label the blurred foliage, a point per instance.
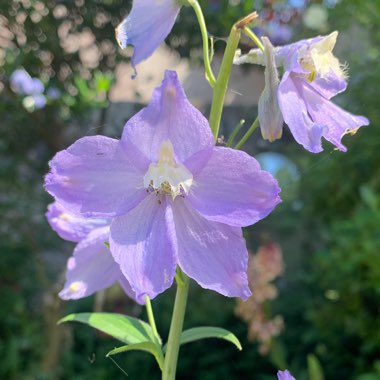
(330, 235)
(339, 304)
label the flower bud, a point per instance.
(270, 116)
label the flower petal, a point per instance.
(337, 121)
(126, 286)
(146, 27)
(169, 116)
(213, 254)
(330, 85)
(91, 268)
(94, 177)
(284, 375)
(305, 131)
(232, 189)
(69, 226)
(143, 244)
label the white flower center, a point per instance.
(166, 176)
(319, 59)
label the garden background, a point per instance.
(328, 225)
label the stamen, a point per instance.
(166, 176)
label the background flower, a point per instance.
(146, 27)
(22, 83)
(263, 268)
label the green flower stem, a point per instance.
(152, 322)
(235, 132)
(248, 134)
(171, 357)
(254, 38)
(221, 84)
(206, 52)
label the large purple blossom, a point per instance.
(146, 26)
(285, 375)
(91, 267)
(174, 197)
(312, 76)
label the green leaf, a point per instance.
(198, 333)
(314, 368)
(103, 81)
(126, 329)
(150, 347)
(83, 88)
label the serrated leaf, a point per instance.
(149, 347)
(198, 333)
(126, 329)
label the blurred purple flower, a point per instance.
(174, 197)
(279, 33)
(22, 83)
(146, 27)
(53, 93)
(39, 101)
(284, 375)
(313, 75)
(91, 267)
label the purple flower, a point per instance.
(279, 33)
(174, 197)
(53, 93)
(91, 267)
(22, 83)
(146, 27)
(284, 375)
(313, 75)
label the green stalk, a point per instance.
(248, 134)
(206, 52)
(152, 322)
(254, 38)
(221, 84)
(235, 132)
(171, 357)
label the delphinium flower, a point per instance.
(22, 83)
(91, 267)
(312, 76)
(146, 26)
(285, 375)
(264, 267)
(173, 196)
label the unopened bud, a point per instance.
(270, 116)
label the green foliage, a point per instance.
(198, 333)
(349, 278)
(126, 329)
(314, 368)
(149, 347)
(337, 288)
